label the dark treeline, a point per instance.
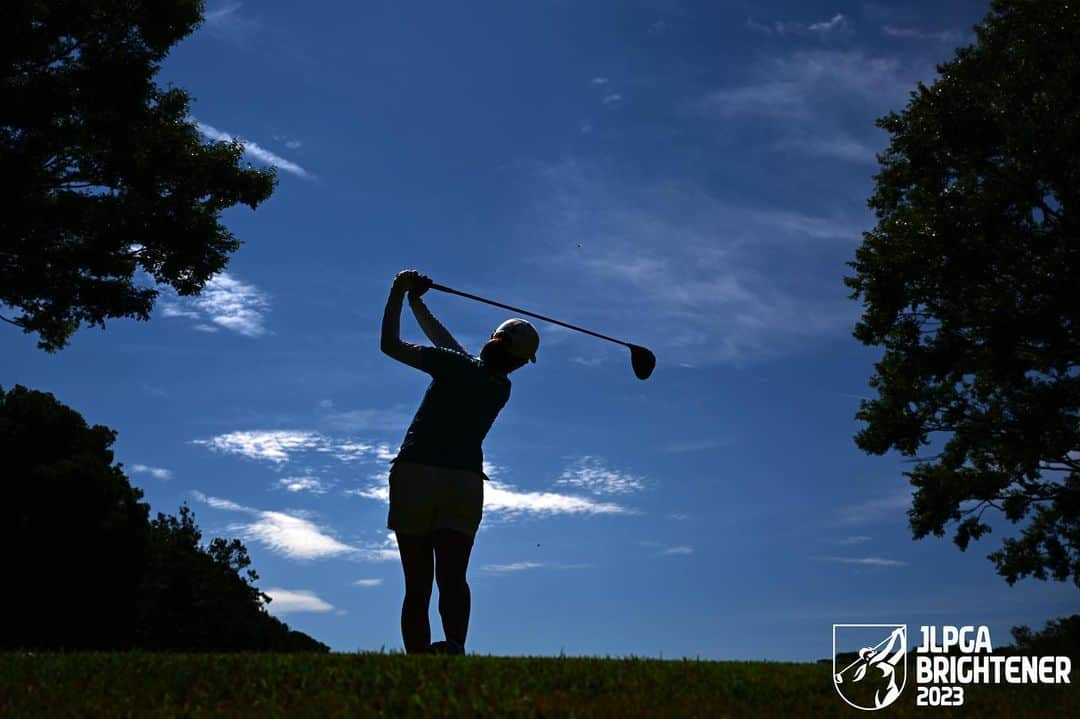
(85, 566)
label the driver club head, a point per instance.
(642, 360)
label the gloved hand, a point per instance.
(412, 282)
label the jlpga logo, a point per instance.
(947, 660)
(876, 676)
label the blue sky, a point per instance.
(690, 177)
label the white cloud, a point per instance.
(384, 551)
(917, 34)
(303, 484)
(367, 582)
(589, 473)
(891, 507)
(523, 566)
(218, 503)
(155, 472)
(275, 446)
(503, 502)
(612, 98)
(867, 561)
(681, 549)
(806, 83)
(225, 301)
(291, 536)
(512, 567)
(394, 419)
(289, 601)
(686, 273)
(507, 503)
(857, 539)
(837, 22)
(252, 149)
(599, 81)
(280, 446)
(678, 516)
(221, 14)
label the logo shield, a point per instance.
(869, 664)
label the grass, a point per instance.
(144, 684)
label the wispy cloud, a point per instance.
(666, 550)
(599, 81)
(289, 535)
(836, 23)
(155, 472)
(221, 14)
(253, 149)
(525, 566)
(857, 539)
(867, 561)
(799, 84)
(275, 445)
(612, 98)
(917, 34)
(838, 146)
(384, 551)
(891, 507)
(226, 302)
(291, 601)
(367, 419)
(590, 474)
(367, 582)
(680, 283)
(281, 446)
(503, 502)
(506, 503)
(311, 485)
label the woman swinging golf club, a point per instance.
(437, 478)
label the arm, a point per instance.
(439, 335)
(391, 343)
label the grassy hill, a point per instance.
(143, 684)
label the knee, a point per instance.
(418, 597)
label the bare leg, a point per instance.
(417, 563)
(452, 549)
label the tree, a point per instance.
(85, 569)
(102, 172)
(1060, 637)
(73, 529)
(969, 281)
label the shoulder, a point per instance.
(446, 358)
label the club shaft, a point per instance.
(443, 288)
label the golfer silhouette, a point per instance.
(437, 478)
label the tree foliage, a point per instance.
(969, 281)
(86, 569)
(102, 172)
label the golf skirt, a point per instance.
(424, 498)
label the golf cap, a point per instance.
(524, 340)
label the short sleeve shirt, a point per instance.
(457, 411)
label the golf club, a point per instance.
(641, 358)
